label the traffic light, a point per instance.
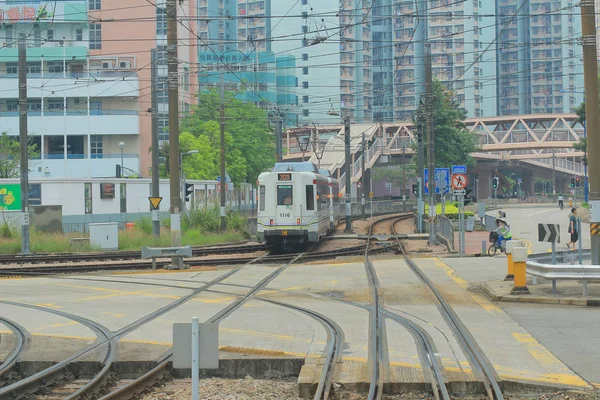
(495, 182)
(577, 181)
(189, 189)
(415, 189)
(572, 181)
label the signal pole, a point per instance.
(590, 71)
(173, 82)
(24, 154)
(223, 179)
(363, 188)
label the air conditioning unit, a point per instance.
(124, 64)
(106, 65)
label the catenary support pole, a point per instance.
(155, 149)
(420, 174)
(278, 134)
(348, 163)
(363, 187)
(430, 142)
(173, 84)
(23, 141)
(223, 181)
(590, 71)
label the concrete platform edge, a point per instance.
(495, 296)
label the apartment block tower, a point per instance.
(539, 67)
(89, 84)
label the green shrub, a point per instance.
(144, 225)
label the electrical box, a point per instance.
(105, 235)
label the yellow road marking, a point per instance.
(11, 277)
(55, 325)
(116, 315)
(48, 305)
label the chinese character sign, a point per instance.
(26, 13)
(10, 197)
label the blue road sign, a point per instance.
(459, 169)
(442, 180)
(218, 179)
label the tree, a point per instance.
(10, 156)
(453, 143)
(248, 137)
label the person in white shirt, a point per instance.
(560, 201)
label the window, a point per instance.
(12, 105)
(34, 105)
(305, 99)
(79, 34)
(304, 56)
(304, 70)
(55, 67)
(87, 195)
(285, 195)
(163, 127)
(304, 2)
(34, 68)
(310, 197)
(55, 104)
(12, 68)
(186, 79)
(305, 42)
(94, 5)
(50, 33)
(304, 14)
(261, 198)
(95, 36)
(162, 90)
(123, 197)
(305, 113)
(35, 194)
(305, 85)
(161, 21)
(96, 146)
(37, 36)
(9, 36)
(304, 29)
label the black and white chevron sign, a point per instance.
(549, 233)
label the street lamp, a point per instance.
(122, 146)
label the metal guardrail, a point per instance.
(165, 252)
(566, 268)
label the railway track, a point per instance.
(46, 258)
(476, 357)
(21, 336)
(128, 389)
(31, 270)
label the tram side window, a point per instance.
(284, 195)
(261, 198)
(310, 197)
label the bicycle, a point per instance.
(493, 247)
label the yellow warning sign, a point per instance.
(370, 195)
(595, 229)
(155, 202)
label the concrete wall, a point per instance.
(46, 218)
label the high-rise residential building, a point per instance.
(458, 36)
(235, 46)
(89, 85)
(539, 64)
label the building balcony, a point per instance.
(100, 84)
(114, 122)
(81, 165)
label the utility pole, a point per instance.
(173, 83)
(278, 134)
(223, 177)
(24, 154)
(430, 142)
(590, 71)
(586, 186)
(155, 150)
(363, 188)
(348, 162)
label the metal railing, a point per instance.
(445, 231)
(568, 266)
(559, 163)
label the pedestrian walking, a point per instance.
(573, 229)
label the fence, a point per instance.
(445, 231)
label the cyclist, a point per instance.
(561, 201)
(504, 233)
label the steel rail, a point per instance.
(467, 342)
(32, 383)
(21, 335)
(140, 265)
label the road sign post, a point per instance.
(550, 233)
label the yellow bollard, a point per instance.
(519, 257)
(510, 246)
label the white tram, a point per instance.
(295, 205)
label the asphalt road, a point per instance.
(570, 333)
